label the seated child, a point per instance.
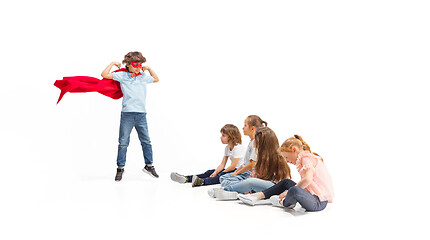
(230, 135)
(314, 191)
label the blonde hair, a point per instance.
(233, 133)
(270, 163)
(296, 141)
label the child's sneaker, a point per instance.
(248, 199)
(176, 177)
(212, 191)
(275, 201)
(197, 182)
(150, 170)
(119, 172)
(225, 195)
(278, 203)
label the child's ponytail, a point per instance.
(256, 121)
(296, 141)
(305, 145)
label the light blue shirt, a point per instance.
(133, 90)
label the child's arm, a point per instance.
(245, 168)
(151, 72)
(106, 73)
(220, 167)
(306, 180)
(233, 165)
(237, 170)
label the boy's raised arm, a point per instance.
(106, 73)
(152, 73)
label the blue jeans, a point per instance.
(210, 180)
(250, 184)
(228, 180)
(138, 121)
(296, 194)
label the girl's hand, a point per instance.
(212, 175)
(234, 174)
(282, 196)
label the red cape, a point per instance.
(107, 87)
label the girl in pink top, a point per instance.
(313, 191)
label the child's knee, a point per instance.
(225, 183)
(293, 190)
(123, 142)
(225, 177)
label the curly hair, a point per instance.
(233, 133)
(133, 57)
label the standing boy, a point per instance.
(133, 83)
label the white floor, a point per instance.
(86, 203)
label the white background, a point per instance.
(349, 76)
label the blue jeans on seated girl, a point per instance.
(228, 180)
(250, 185)
(210, 180)
(296, 194)
(138, 121)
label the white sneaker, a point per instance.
(275, 201)
(248, 199)
(212, 191)
(176, 177)
(225, 195)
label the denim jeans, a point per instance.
(250, 184)
(210, 180)
(296, 194)
(228, 180)
(138, 121)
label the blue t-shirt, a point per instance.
(133, 90)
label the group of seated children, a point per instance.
(265, 173)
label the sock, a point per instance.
(257, 195)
